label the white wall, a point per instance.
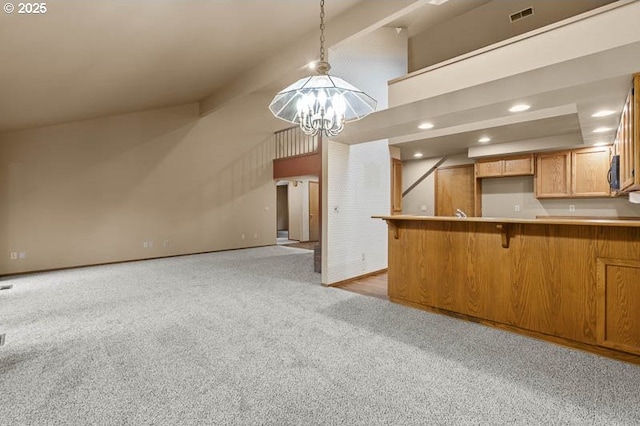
(356, 179)
(359, 180)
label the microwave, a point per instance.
(614, 173)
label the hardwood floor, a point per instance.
(373, 285)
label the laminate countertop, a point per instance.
(631, 223)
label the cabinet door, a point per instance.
(553, 174)
(628, 140)
(518, 166)
(589, 172)
(624, 142)
(618, 303)
(489, 168)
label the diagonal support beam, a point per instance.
(424, 176)
(360, 19)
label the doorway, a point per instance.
(282, 211)
(297, 211)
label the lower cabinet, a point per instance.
(618, 305)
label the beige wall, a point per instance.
(95, 191)
(500, 196)
(486, 25)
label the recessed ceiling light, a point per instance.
(425, 126)
(602, 129)
(418, 155)
(484, 139)
(519, 108)
(602, 113)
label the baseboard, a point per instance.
(359, 277)
(115, 262)
(598, 350)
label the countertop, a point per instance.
(546, 221)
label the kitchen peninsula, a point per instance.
(574, 282)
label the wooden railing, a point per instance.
(292, 142)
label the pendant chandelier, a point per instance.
(321, 102)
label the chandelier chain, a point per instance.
(322, 55)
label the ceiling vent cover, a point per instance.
(520, 15)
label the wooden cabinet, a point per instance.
(589, 169)
(627, 142)
(618, 304)
(396, 186)
(521, 165)
(573, 174)
(577, 280)
(553, 174)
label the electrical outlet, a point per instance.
(255, 236)
(242, 236)
(13, 255)
(423, 208)
(145, 244)
(151, 244)
(516, 208)
(22, 255)
(572, 208)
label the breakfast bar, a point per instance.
(571, 281)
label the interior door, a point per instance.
(314, 222)
(454, 190)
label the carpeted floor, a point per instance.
(250, 337)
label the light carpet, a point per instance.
(251, 337)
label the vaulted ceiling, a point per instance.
(86, 59)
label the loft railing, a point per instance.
(292, 142)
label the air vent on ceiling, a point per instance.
(520, 15)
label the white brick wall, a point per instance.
(356, 181)
(358, 186)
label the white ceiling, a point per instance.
(85, 59)
(563, 96)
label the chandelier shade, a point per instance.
(321, 102)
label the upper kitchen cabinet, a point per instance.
(627, 142)
(589, 170)
(575, 173)
(553, 175)
(520, 165)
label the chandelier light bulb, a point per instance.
(322, 102)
